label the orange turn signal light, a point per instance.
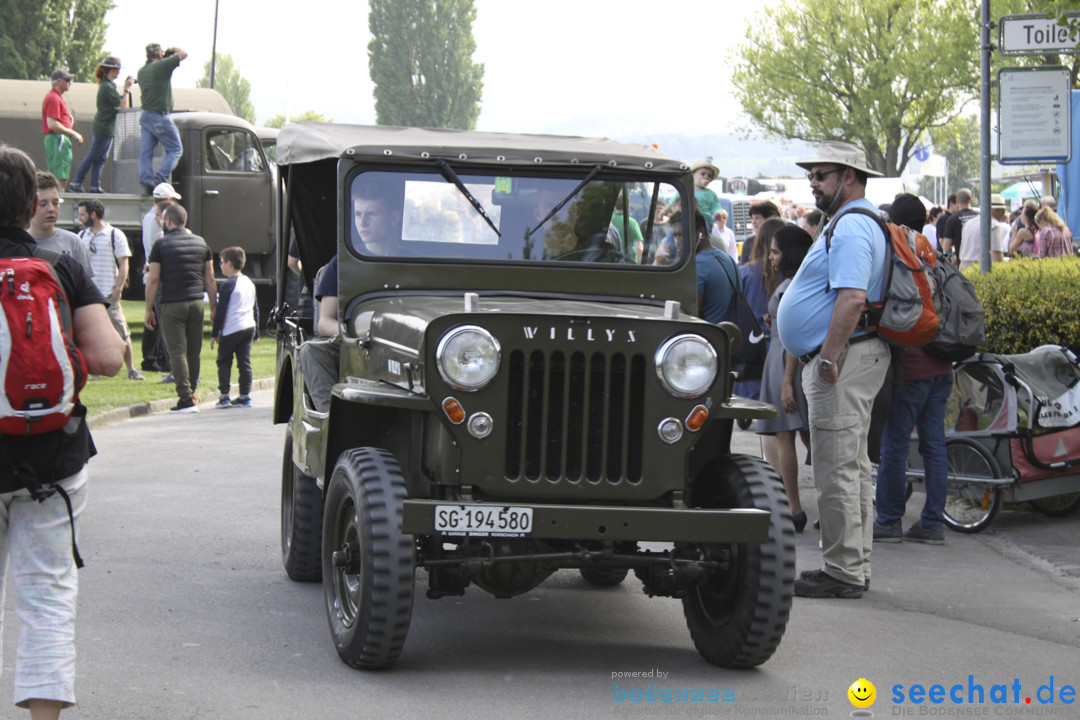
(696, 419)
(454, 412)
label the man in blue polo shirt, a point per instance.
(844, 366)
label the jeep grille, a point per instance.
(576, 419)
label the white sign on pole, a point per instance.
(1035, 34)
(1034, 110)
(934, 166)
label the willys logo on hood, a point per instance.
(586, 334)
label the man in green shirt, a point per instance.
(155, 82)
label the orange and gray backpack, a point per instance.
(41, 370)
(909, 313)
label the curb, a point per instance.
(156, 407)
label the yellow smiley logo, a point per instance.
(862, 693)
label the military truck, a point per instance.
(512, 394)
(224, 176)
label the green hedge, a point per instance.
(1030, 302)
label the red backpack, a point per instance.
(41, 370)
(909, 313)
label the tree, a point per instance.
(420, 60)
(278, 121)
(877, 72)
(958, 141)
(38, 36)
(233, 86)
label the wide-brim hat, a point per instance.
(110, 62)
(997, 202)
(835, 152)
(704, 163)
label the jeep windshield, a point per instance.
(582, 219)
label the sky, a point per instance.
(625, 70)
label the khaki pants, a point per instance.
(839, 421)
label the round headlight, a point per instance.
(686, 365)
(468, 357)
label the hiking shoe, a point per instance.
(185, 406)
(167, 380)
(224, 403)
(819, 584)
(810, 573)
(888, 532)
(929, 535)
(134, 374)
(243, 401)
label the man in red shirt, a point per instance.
(56, 123)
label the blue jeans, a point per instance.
(94, 161)
(158, 128)
(921, 405)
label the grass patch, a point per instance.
(115, 392)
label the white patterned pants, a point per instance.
(35, 540)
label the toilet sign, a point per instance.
(1035, 34)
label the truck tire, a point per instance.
(301, 519)
(737, 613)
(368, 562)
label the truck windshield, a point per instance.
(429, 215)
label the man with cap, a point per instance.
(921, 395)
(971, 235)
(155, 359)
(57, 123)
(704, 173)
(155, 83)
(844, 365)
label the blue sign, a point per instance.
(922, 153)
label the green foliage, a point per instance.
(420, 59)
(233, 86)
(38, 36)
(877, 72)
(278, 121)
(115, 392)
(1030, 302)
(958, 141)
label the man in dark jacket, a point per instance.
(37, 537)
(182, 267)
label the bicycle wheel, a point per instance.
(1058, 505)
(970, 503)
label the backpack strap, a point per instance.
(884, 229)
(734, 285)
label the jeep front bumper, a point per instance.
(595, 522)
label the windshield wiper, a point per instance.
(449, 174)
(573, 193)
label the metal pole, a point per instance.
(213, 51)
(985, 216)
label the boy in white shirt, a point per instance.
(236, 326)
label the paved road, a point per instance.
(185, 612)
